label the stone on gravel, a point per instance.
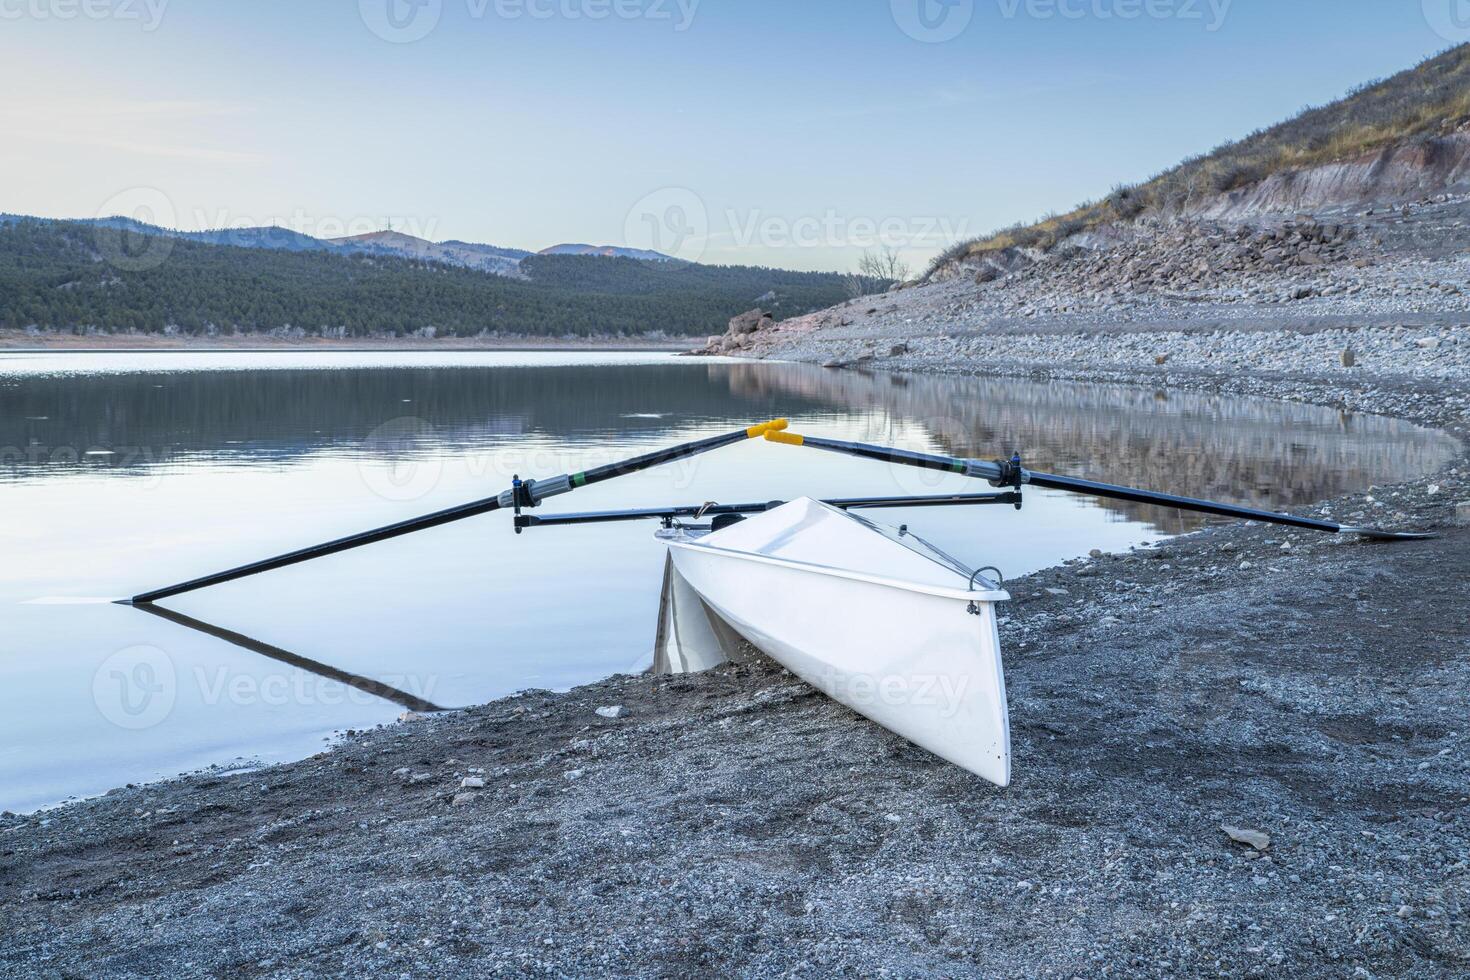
(472, 782)
(614, 711)
(1258, 839)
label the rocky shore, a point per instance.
(1383, 289)
(1246, 752)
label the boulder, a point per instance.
(750, 321)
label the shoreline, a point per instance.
(648, 844)
(18, 342)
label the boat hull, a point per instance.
(924, 664)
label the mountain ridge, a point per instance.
(494, 259)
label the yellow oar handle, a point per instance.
(765, 428)
(785, 438)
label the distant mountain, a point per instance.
(467, 255)
(58, 275)
(608, 252)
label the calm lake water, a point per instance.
(121, 472)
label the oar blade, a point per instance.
(1372, 534)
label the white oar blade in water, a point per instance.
(874, 618)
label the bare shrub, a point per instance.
(876, 272)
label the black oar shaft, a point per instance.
(1093, 489)
(944, 464)
(531, 493)
(715, 510)
(323, 550)
(1002, 473)
(658, 458)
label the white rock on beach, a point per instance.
(1258, 839)
(615, 711)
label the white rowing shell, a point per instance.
(876, 619)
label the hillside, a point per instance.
(1415, 107)
(67, 276)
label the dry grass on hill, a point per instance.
(1432, 99)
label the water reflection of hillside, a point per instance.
(1238, 449)
(51, 422)
(1242, 450)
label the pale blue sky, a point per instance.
(754, 131)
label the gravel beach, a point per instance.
(1305, 692)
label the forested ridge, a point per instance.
(82, 277)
